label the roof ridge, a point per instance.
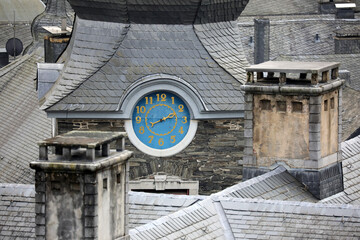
(250, 182)
(297, 207)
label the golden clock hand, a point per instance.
(171, 115)
(153, 123)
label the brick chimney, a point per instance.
(292, 118)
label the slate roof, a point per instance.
(199, 221)
(25, 10)
(228, 215)
(278, 184)
(22, 122)
(120, 55)
(17, 211)
(147, 207)
(159, 11)
(280, 7)
(260, 219)
(351, 170)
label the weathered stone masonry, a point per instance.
(79, 198)
(214, 157)
(295, 121)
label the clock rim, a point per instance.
(161, 152)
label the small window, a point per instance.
(56, 186)
(118, 178)
(325, 105)
(281, 106)
(265, 104)
(297, 107)
(75, 187)
(105, 183)
(332, 103)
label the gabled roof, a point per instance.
(264, 219)
(226, 215)
(199, 221)
(22, 122)
(107, 59)
(147, 207)
(278, 184)
(17, 211)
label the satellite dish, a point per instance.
(14, 47)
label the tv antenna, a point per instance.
(14, 46)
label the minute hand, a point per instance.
(171, 115)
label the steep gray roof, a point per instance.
(17, 211)
(264, 219)
(147, 207)
(22, 122)
(280, 7)
(199, 221)
(351, 170)
(93, 44)
(219, 217)
(278, 184)
(121, 55)
(223, 42)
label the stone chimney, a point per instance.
(81, 190)
(262, 40)
(292, 118)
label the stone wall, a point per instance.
(279, 122)
(81, 204)
(214, 157)
(329, 123)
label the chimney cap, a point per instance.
(293, 67)
(57, 30)
(345, 5)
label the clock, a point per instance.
(161, 124)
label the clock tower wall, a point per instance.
(214, 157)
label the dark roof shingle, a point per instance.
(22, 122)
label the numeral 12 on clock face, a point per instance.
(161, 120)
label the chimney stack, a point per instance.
(293, 118)
(81, 190)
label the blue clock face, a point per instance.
(161, 120)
